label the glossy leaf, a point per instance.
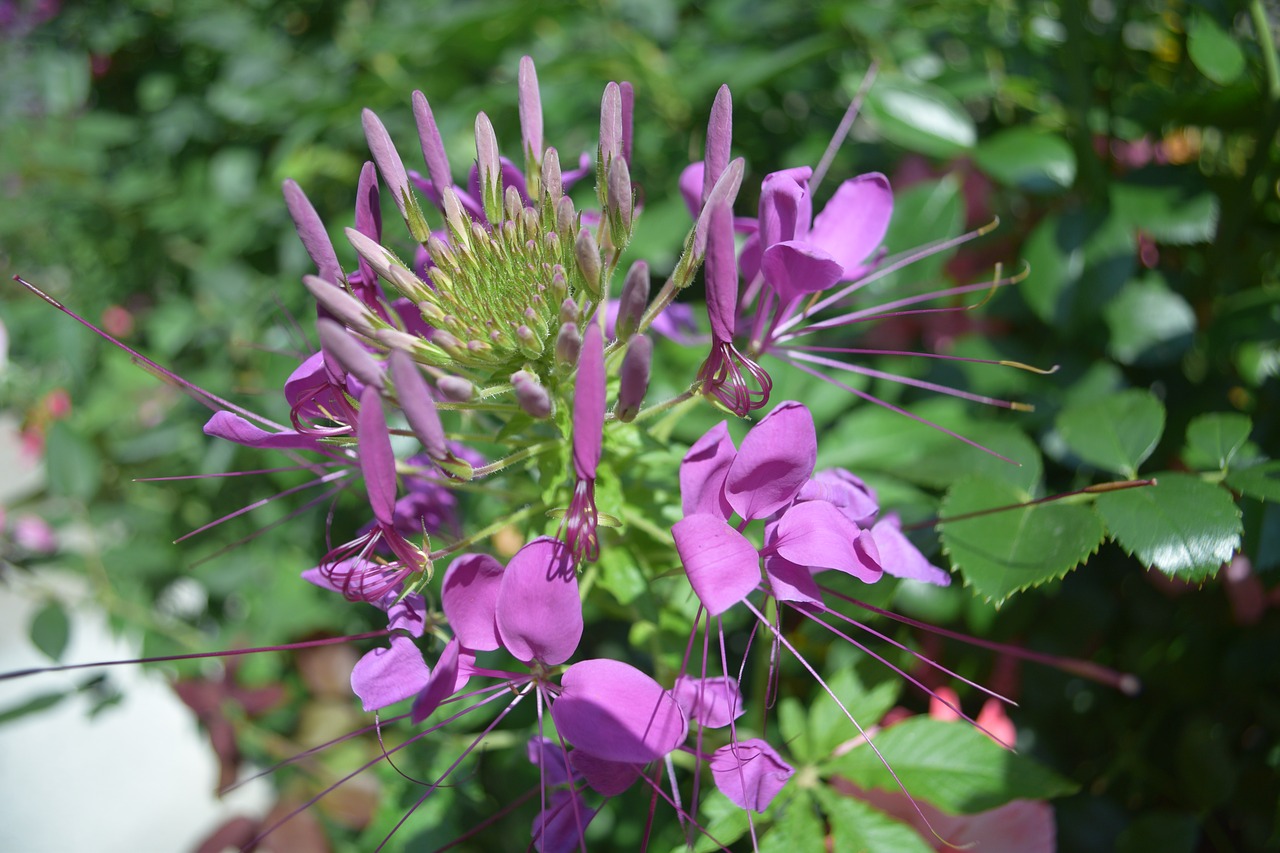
(1182, 526)
(1149, 323)
(920, 117)
(1116, 433)
(1028, 159)
(952, 766)
(1079, 262)
(1013, 550)
(1217, 437)
(1257, 481)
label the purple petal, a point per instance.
(589, 403)
(611, 123)
(815, 534)
(539, 612)
(386, 676)
(311, 230)
(237, 429)
(388, 160)
(712, 702)
(560, 827)
(449, 676)
(791, 582)
(608, 778)
(545, 753)
(703, 471)
(719, 139)
(469, 594)
(416, 403)
(628, 93)
(530, 104)
(432, 145)
(794, 269)
(749, 773)
(355, 359)
(309, 389)
(721, 274)
(614, 711)
(368, 223)
(405, 614)
(854, 222)
(900, 558)
(723, 567)
(785, 206)
(377, 461)
(775, 462)
(691, 187)
(846, 492)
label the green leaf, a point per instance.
(50, 630)
(73, 464)
(1149, 323)
(1028, 159)
(1007, 552)
(855, 825)
(1079, 262)
(793, 724)
(797, 828)
(1213, 50)
(725, 823)
(950, 765)
(35, 705)
(829, 727)
(1170, 212)
(1116, 433)
(1216, 437)
(1257, 481)
(1182, 526)
(1168, 832)
(920, 117)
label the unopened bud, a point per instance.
(634, 299)
(568, 311)
(552, 180)
(490, 168)
(342, 306)
(568, 345)
(619, 206)
(566, 218)
(634, 382)
(353, 358)
(455, 389)
(587, 254)
(534, 399)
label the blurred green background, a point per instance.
(1128, 148)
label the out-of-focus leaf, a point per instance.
(951, 765)
(1213, 50)
(1257, 481)
(1028, 159)
(1010, 551)
(1116, 433)
(855, 825)
(797, 828)
(73, 464)
(920, 117)
(725, 824)
(1149, 323)
(829, 727)
(1166, 832)
(1216, 437)
(1170, 213)
(50, 630)
(1079, 261)
(1182, 526)
(35, 705)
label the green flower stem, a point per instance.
(518, 456)
(486, 532)
(665, 405)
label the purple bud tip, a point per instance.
(344, 349)
(636, 365)
(342, 306)
(568, 345)
(315, 239)
(455, 389)
(388, 160)
(416, 403)
(530, 109)
(589, 404)
(719, 137)
(619, 194)
(587, 254)
(611, 123)
(532, 397)
(432, 144)
(552, 179)
(377, 461)
(568, 311)
(634, 299)
(487, 154)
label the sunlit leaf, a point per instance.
(855, 825)
(1116, 433)
(1213, 50)
(920, 117)
(1028, 159)
(1216, 437)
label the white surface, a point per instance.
(138, 777)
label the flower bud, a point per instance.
(568, 345)
(620, 204)
(455, 389)
(394, 176)
(568, 311)
(344, 349)
(635, 298)
(490, 168)
(566, 218)
(432, 145)
(634, 383)
(588, 256)
(311, 230)
(552, 180)
(340, 305)
(534, 399)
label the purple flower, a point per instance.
(750, 773)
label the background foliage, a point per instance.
(1128, 148)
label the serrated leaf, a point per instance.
(50, 630)
(793, 724)
(950, 765)
(1183, 526)
(1257, 481)
(797, 828)
(855, 825)
(1028, 159)
(1218, 436)
(920, 117)
(1010, 551)
(1116, 433)
(724, 822)
(1213, 50)
(828, 725)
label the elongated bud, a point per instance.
(455, 389)
(490, 168)
(534, 399)
(432, 144)
(568, 345)
(552, 179)
(568, 311)
(456, 219)
(719, 139)
(724, 192)
(315, 239)
(610, 124)
(342, 306)
(385, 265)
(619, 206)
(530, 103)
(377, 460)
(368, 223)
(391, 167)
(420, 410)
(588, 256)
(634, 382)
(628, 110)
(566, 218)
(634, 299)
(353, 358)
